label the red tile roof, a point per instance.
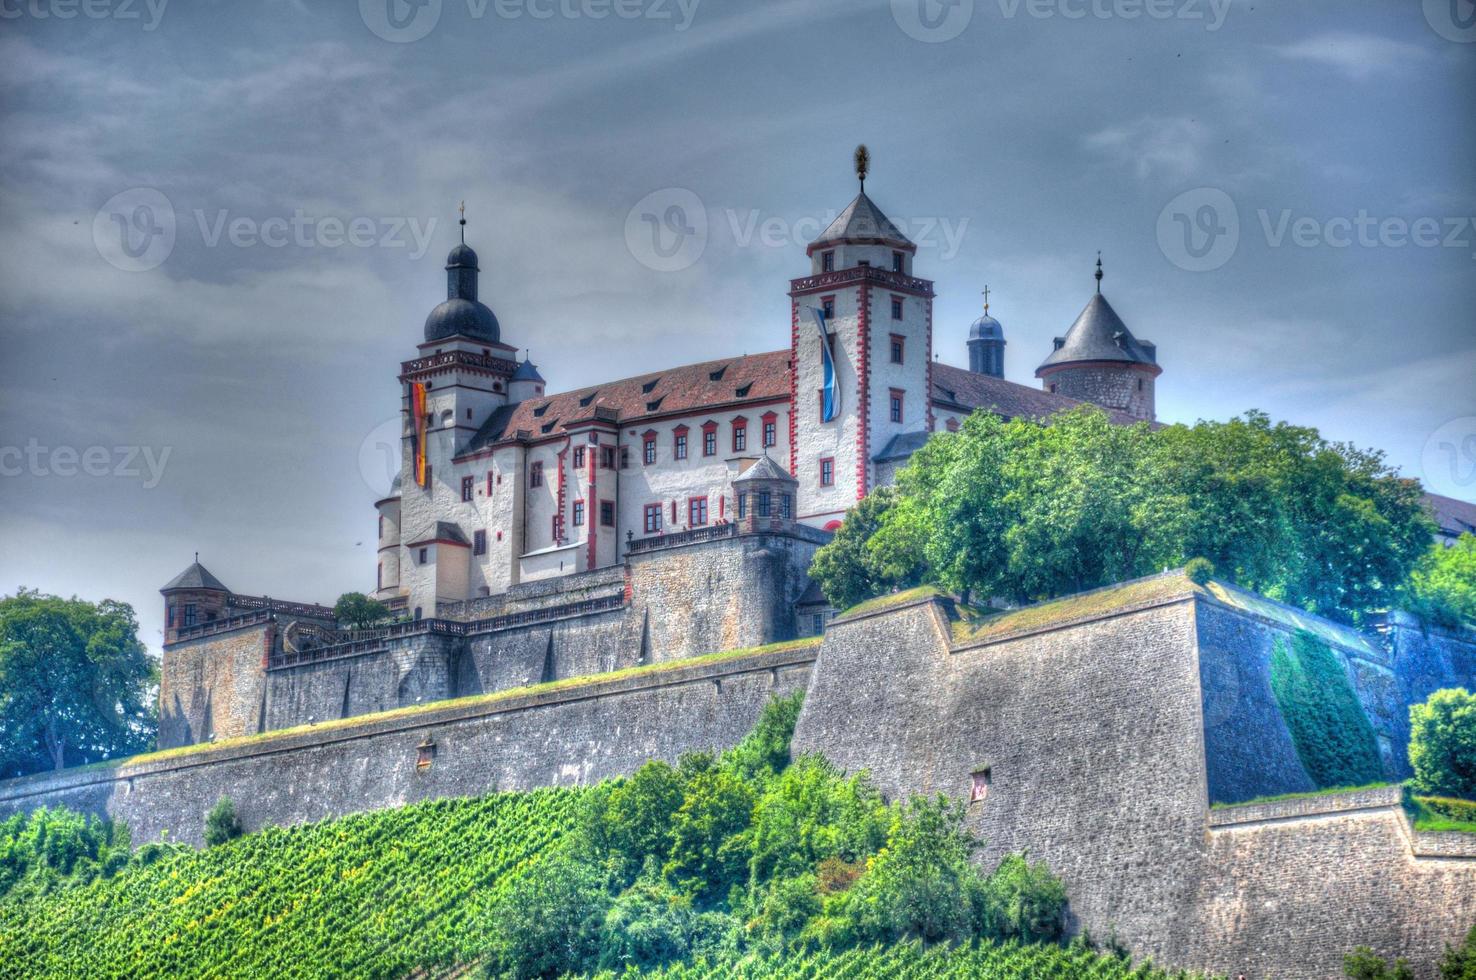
(1455, 517)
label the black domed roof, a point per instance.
(986, 328)
(462, 256)
(462, 316)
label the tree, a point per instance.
(550, 921)
(221, 823)
(1459, 962)
(75, 682)
(1364, 964)
(1442, 588)
(847, 570)
(357, 611)
(1027, 510)
(1442, 744)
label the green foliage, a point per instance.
(549, 922)
(766, 749)
(221, 823)
(44, 849)
(1023, 901)
(74, 683)
(1448, 808)
(1199, 570)
(1459, 962)
(849, 571)
(1332, 735)
(355, 610)
(1364, 964)
(650, 924)
(1025, 510)
(1442, 587)
(1442, 744)
(708, 853)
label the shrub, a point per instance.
(1442, 744)
(1023, 901)
(551, 921)
(1364, 964)
(630, 822)
(708, 856)
(1199, 570)
(355, 610)
(1442, 587)
(766, 749)
(1331, 733)
(221, 823)
(650, 924)
(1459, 962)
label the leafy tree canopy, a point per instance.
(75, 683)
(1442, 744)
(1442, 588)
(357, 611)
(1027, 510)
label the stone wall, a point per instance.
(559, 735)
(1103, 724)
(214, 686)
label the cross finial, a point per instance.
(1099, 271)
(197, 558)
(863, 165)
(986, 300)
(462, 209)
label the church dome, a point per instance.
(462, 256)
(462, 316)
(986, 328)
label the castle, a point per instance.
(561, 564)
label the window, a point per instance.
(607, 513)
(468, 415)
(979, 785)
(556, 528)
(607, 457)
(579, 457)
(1140, 384)
(952, 425)
(679, 444)
(818, 624)
(763, 504)
(625, 457)
(479, 542)
(578, 513)
(648, 449)
(771, 430)
(418, 614)
(827, 262)
(379, 577)
(786, 506)
(381, 525)
(423, 557)
(466, 488)
(190, 614)
(896, 405)
(490, 480)
(742, 506)
(827, 472)
(740, 435)
(827, 306)
(896, 261)
(535, 475)
(653, 518)
(709, 439)
(898, 347)
(896, 307)
(697, 512)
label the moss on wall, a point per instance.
(1328, 726)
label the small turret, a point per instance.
(987, 344)
(192, 598)
(525, 383)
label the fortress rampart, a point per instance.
(1118, 735)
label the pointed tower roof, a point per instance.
(527, 371)
(862, 223)
(764, 468)
(1098, 335)
(197, 576)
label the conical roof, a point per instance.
(1098, 335)
(197, 576)
(862, 222)
(764, 468)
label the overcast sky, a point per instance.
(1282, 193)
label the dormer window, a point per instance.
(897, 261)
(827, 262)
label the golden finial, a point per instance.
(462, 209)
(863, 164)
(986, 300)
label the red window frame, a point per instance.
(579, 457)
(579, 513)
(652, 515)
(535, 475)
(648, 448)
(709, 439)
(771, 429)
(740, 434)
(896, 404)
(899, 348)
(696, 511)
(466, 488)
(827, 261)
(827, 471)
(896, 307)
(679, 442)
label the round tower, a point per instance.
(192, 598)
(987, 344)
(1100, 361)
(525, 383)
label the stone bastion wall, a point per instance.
(1094, 733)
(564, 733)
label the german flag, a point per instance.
(418, 418)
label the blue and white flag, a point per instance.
(829, 393)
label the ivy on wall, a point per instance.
(1332, 735)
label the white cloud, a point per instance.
(1169, 147)
(1355, 55)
